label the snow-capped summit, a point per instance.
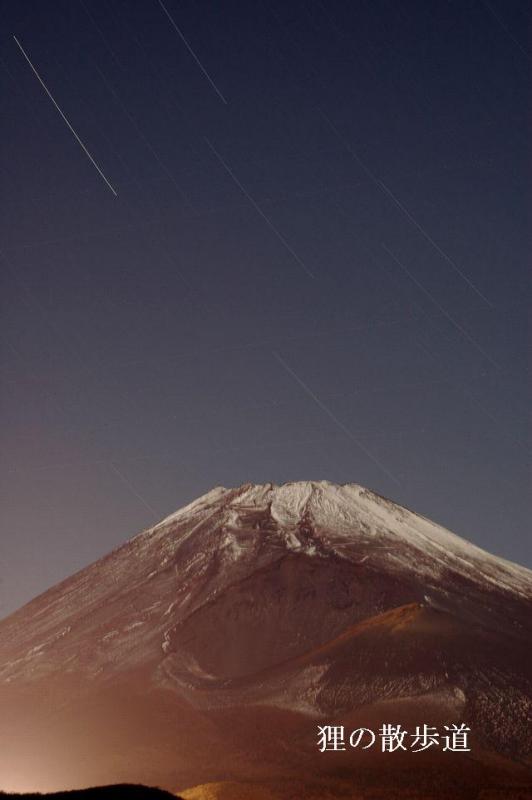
(341, 517)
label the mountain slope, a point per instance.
(259, 609)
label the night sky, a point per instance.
(299, 252)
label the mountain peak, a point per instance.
(255, 492)
(318, 517)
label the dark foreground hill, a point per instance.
(208, 649)
(124, 791)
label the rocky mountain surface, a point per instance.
(211, 646)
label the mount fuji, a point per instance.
(210, 647)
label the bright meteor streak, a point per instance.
(44, 86)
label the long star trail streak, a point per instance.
(382, 186)
(132, 489)
(65, 119)
(156, 72)
(102, 37)
(505, 29)
(145, 140)
(192, 53)
(412, 303)
(137, 183)
(334, 418)
(441, 308)
(473, 399)
(433, 243)
(259, 210)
